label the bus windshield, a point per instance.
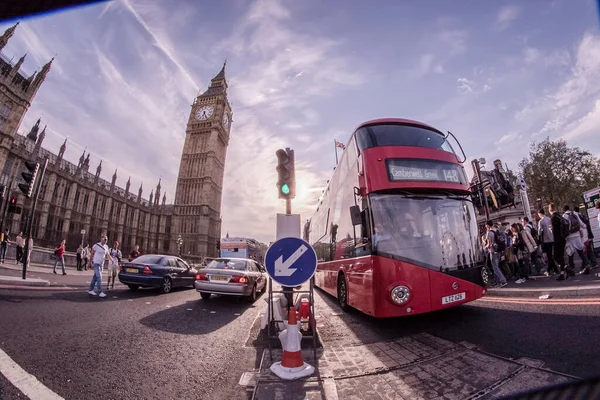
(401, 135)
(437, 232)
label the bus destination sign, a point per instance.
(425, 170)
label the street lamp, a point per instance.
(179, 243)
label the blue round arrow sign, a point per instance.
(291, 261)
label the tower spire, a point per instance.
(33, 133)
(7, 35)
(63, 147)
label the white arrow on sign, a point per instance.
(283, 268)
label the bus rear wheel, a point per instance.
(342, 293)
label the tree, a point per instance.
(556, 173)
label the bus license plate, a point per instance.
(454, 298)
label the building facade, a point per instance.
(79, 206)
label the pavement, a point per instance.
(546, 287)
(41, 275)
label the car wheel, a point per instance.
(253, 295)
(205, 296)
(166, 285)
(342, 293)
(133, 288)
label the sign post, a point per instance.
(291, 261)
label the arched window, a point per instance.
(5, 110)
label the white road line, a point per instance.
(189, 309)
(213, 312)
(25, 382)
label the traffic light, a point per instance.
(29, 177)
(12, 205)
(286, 183)
(218, 244)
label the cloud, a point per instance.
(506, 16)
(289, 72)
(465, 85)
(531, 55)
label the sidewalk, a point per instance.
(536, 286)
(42, 275)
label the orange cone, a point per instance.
(292, 358)
(292, 366)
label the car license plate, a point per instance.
(219, 278)
(132, 270)
(454, 298)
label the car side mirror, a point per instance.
(355, 215)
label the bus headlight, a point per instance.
(400, 294)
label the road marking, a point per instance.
(148, 302)
(190, 309)
(237, 313)
(24, 381)
(213, 312)
(515, 300)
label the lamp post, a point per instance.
(179, 243)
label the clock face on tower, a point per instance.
(204, 113)
(226, 120)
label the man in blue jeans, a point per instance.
(99, 253)
(495, 247)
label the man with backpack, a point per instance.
(495, 245)
(574, 243)
(560, 231)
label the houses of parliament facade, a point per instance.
(73, 199)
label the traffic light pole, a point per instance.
(29, 226)
(288, 206)
(6, 200)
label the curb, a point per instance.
(15, 281)
(568, 291)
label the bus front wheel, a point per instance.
(342, 293)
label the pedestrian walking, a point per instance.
(20, 242)
(496, 245)
(99, 252)
(79, 257)
(59, 254)
(547, 241)
(588, 242)
(4, 245)
(560, 231)
(113, 266)
(135, 253)
(85, 255)
(575, 240)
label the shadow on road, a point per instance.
(198, 317)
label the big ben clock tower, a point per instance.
(200, 181)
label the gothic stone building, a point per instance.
(72, 199)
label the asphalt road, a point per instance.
(146, 345)
(129, 345)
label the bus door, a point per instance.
(360, 266)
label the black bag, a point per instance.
(499, 241)
(574, 224)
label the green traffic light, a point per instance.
(285, 189)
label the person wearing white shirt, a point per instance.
(99, 253)
(575, 240)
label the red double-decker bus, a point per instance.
(395, 231)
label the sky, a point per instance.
(499, 75)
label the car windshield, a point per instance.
(148, 259)
(401, 135)
(437, 232)
(237, 265)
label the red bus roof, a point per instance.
(397, 121)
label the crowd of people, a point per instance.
(547, 247)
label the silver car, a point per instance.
(232, 277)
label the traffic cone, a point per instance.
(292, 366)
